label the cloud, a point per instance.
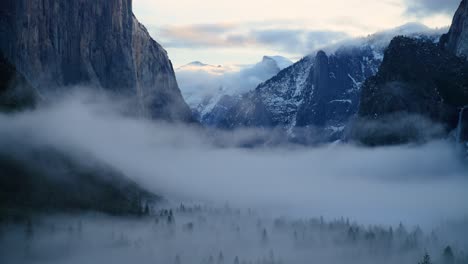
(300, 41)
(289, 40)
(195, 35)
(426, 8)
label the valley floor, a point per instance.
(196, 234)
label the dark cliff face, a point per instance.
(332, 95)
(98, 43)
(456, 40)
(15, 92)
(417, 77)
(317, 93)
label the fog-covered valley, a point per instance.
(349, 145)
(206, 235)
(331, 203)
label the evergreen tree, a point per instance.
(370, 235)
(447, 256)
(434, 238)
(170, 218)
(401, 231)
(220, 258)
(426, 259)
(352, 234)
(177, 260)
(139, 206)
(147, 210)
(264, 236)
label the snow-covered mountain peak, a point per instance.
(281, 62)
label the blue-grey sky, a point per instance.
(242, 31)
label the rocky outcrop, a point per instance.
(417, 77)
(456, 40)
(99, 43)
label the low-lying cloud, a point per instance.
(418, 185)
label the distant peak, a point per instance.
(321, 53)
(280, 61)
(197, 63)
(412, 27)
(266, 58)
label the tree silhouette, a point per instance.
(177, 260)
(220, 258)
(426, 259)
(146, 210)
(264, 236)
(170, 218)
(447, 256)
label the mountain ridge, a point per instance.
(291, 100)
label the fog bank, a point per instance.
(414, 184)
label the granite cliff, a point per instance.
(456, 40)
(98, 43)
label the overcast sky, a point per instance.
(242, 31)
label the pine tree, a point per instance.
(220, 258)
(264, 236)
(426, 259)
(401, 231)
(177, 260)
(352, 234)
(170, 218)
(447, 256)
(147, 210)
